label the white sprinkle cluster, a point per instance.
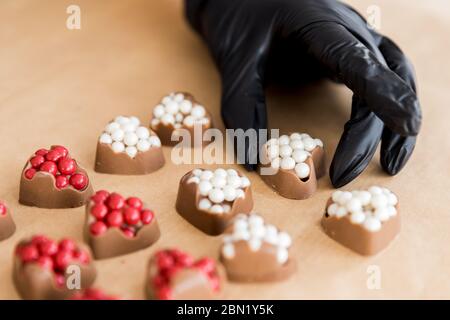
(178, 111)
(291, 152)
(125, 134)
(369, 208)
(252, 228)
(219, 188)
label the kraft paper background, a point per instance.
(60, 86)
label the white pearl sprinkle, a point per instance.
(372, 224)
(218, 182)
(154, 141)
(168, 119)
(189, 121)
(232, 172)
(198, 111)
(226, 208)
(302, 170)
(135, 121)
(143, 145)
(128, 127)
(284, 239)
(159, 111)
(379, 200)
(240, 193)
(172, 108)
(300, 155)
(287, 163)
(142, 132)
(204, 204)
(284, 139)
(295, 136)
(374, 190)
(318, 142)
(117, 135)
(341, 212)
(112, 126)
(179, 97)
(197, 172)
(195, 180)
(276, 163)
(357, 217)
(254, 244)
(309, 144)
(229, 193)
(130, 139)
(217, 208)
(332, 209)
(207, 175)
(105, 138)
(228, 251)
(220, 173)
(234, 181)
(273, 151)
(354, 205)
(245, 182)
(118, 146)
(285, 151)
(216, 195)
(204, 187)
(382, 214)
(364, 197)
(131, 151)
(282, 255)
(186, 106)
(166, 100)
(297, 144)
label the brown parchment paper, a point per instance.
(60, 86)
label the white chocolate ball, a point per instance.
(318, 142)
(131, 151)
(179, 118)
(179, 97)
(168, 119)
(232, 172)
(130, 139)
(118, 135)
(118, 146)
(332, 209)
(374, 190)
(364, 197)
(159, 111)
(300, 155)
(154, 141)
(254, 244)
(382, 214)
(218, 182)
(204, 187)
(273, 151)
(309, 144)
(275, 164)
(216, 195)
(344, 197)
(110, 127)
(129, 127)
(105, 138)
(143, 145)
(240, 224)
(228, 251)
(240, 193)
(354, 205)
(336, 195)
(204, 204)
(166, 99)
(197, 172)
(282, 255)
(198, 111)
(186, 106)
(172, 107)
(285, 151)
(379, 200)
(189, 121)
(392, 199)
(135, 121)
(217, 208)
(226, 208)
(142, 132)
(302, 170)
(234, 181)
(284, 239)
(372, 224)
(357, 217)
(287, 163)
(284, 139)
(207, 175)
(297, 144)
(220, 173)
(245, 182)
(341, 212)
(121, 120)
(295, 136)
(194, 179)
(229, 193)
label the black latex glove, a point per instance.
(254, 40)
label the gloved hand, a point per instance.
(255, 40)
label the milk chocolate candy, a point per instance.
(126, 147)
(291, 165)
(46, 269)
(210, 199)
(7, 225)
(177, 115)
(174, 275)
(115, 226)
(52, 179)
(253, 251)
(365, 221)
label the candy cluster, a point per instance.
(52, 255)
(252, 229)
(291, 152)
(178, 110)
(369, 208)
(57, 162)
(114, 211)
(3, 209)
(219, 188)
(92, 294)
(125, 134)
(169, 262)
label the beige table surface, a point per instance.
(59, 86)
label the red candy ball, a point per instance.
(163, 293)
(79, 181)
(128, 232)
(206, 265)
(62, 260)
(98, 228)
(61, 150)
(81, 256)
(45, 262)
(165, 262)
(134, 202)
(115, 201)
(67, 245)
(99, 211)
(114, 218)
(100, 196)
(147, 216)
(29, 253)
(48, 248)
(41, 152)
(49, 166)
(36, 161)
(60, 279)
(2, 209)
(67, 166)
(132, 216)
(29, 173)
(61, 181)
(53, 155)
